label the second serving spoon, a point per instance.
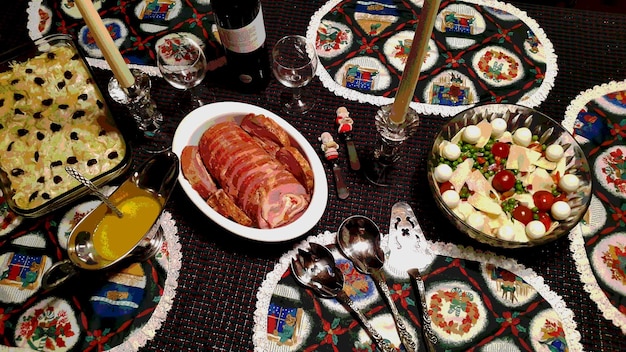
(316, 270)
(358, 238)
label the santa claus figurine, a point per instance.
(344, 121)
(329, 146)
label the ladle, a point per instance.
(316, 270)
(358, 238)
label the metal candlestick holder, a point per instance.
(392, 135)
(137, 99)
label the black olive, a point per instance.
(37, 115)
(18, 96)
(1, 102)
(63, 106)
(56, 163)
(100, 104)
(57, 179)
(18, 112)
(83, 96)
(113, 155)
(15, 81)
(78, 114)
(39, 81)
(74, 136)
(33, 196)
(47, 102)
(29, 70)
(61, 85)
(17, 172)
(67, 75)
(92, 162)
(22, 132)
(36, 156)
(40, 135)
(102, 133)
(45, 196)
(10, 146)
(41, 179)
(55, 127)
(1, 126)
(51, 56)
(72, 160)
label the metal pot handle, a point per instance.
(58, 274)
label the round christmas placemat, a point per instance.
(95, 311)
(597, 119)
(475, 299)
(480, 51)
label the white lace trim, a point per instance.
(429, 109)
(145, 333)
(577, 246)
(264, 295)
(33, 32)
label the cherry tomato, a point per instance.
(445, 186)
(522, 214)
(545, 219)
(500, 149)
(503, 181)
(543, 200)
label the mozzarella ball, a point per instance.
(451, 151)
(498, 127)
(535, 229)
(554, 152)
(522, 136)
(442, 173)
(506, 232)
(471, 134)
(451, 198)
(476, 220)
(560, 210)
(569, 183)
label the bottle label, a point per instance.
(246, 39)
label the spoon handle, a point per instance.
(385, 345)
(82, 179)
(430, 339)
(405, 335)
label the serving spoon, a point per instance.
(316, 270)
(358, 238)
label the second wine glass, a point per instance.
(183, 64)
(294, 63)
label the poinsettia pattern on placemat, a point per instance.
(480, 51)
(135, 26)
(475, 299)
(120, 309)
(597, 118)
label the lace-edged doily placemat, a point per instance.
(475, 299)
(481, 51)
(597, 118)
(118, 311)
(137, 27)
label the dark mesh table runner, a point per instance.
(220, 274)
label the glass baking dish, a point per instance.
(53, 116)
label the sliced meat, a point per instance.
(297, 164)
(266, 129)
(225, 205)
(258, 184)
(194, 171)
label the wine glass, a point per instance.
(183, 64)
(294, 62)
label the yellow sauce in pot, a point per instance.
(115, 236)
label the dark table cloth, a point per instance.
(221, 273)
